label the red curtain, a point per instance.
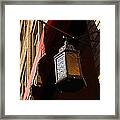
(39, 55)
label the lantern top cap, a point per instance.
(67, 46)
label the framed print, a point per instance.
(59, 59)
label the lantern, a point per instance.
(68, 70)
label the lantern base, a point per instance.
(71, 84)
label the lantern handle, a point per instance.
(66, 41)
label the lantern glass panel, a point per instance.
(73, 67)
(61, 67)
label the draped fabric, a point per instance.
(39, 55)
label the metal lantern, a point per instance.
(68, 70)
